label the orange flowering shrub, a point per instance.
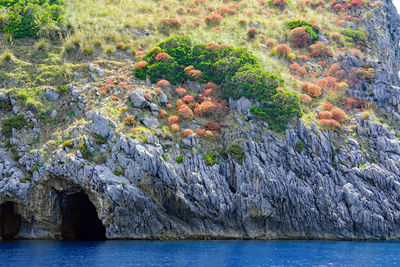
(187, 132)
(148, 96)
(212, 126)
(325, 115)
(188, 99)
(338, 114)
(201, 132)
(168, 106)
(252, 32)
(205, 108)
(270, 43)
(102, 90)
(173, 119)
(305, 98)
(162, 113)
(300, 37)
(223, 11)
(165, 25)
(327, 106)
(283, 49)
(193, 74)
(329, 83)
(162, 57)
(329, 123)
(185, 112)
(129, 120)
(320, 49)
(242, 22)
(312, 89)
(213, 19)
(163, 83)
(335, 70)
(211, 85)
(140, 64)
(298, 69)
(139, 54)
(357, 103)
(180, 91)
(178, 103)
(174, 127)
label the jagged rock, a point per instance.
(53, 114)
(3, 97)
(101, 126)
(138, 99)
(100, 72)
(162, 99)
(51, 94)
(150, 123)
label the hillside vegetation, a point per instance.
(280, 54)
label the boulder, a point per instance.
(51, 94)
(138, 99)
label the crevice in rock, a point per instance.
(79, 218)
(10, 222)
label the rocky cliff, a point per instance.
(307, 183)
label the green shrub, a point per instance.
(168, 70)
(178, 47)
(179, 159)
(210, 159)
(295, 23)
(68, 143)
(26, 17)
(141, 72)
(300, 146)
(164, 157)
(278, 110)
(312, 32)
(86, 154)
(237, 153)
(253, 83)
(16, 122)
(355, 36)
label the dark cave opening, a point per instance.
(79, 219)
(10, 222)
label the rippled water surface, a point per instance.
(199, 253)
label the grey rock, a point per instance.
(138, 99)
(3, 97)
(51, 94)
(162, 99)
(101, 126)
(150, 123)
(100, 72)
(53, 114)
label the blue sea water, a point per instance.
(199, 253)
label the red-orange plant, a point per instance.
(187, 132)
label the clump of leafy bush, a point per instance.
(237, 153)
(356, 36)
(236, 71)
(210, 159)
(179, 159)
(25, 18)
(17, 122)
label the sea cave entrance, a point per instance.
(10, 222)
(79, 218)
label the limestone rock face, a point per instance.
(278, 191)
